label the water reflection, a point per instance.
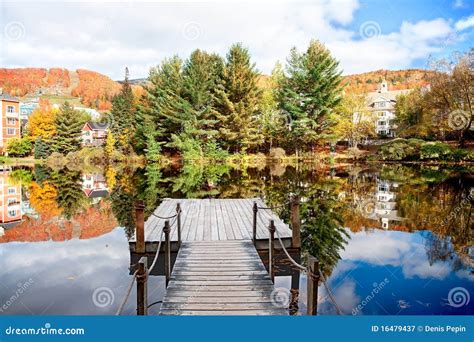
(407, 227)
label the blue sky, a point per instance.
(107, 36)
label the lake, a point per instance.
(392, 239)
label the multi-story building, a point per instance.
(381, 105)
(10, 119)
(94, 133)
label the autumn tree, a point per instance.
(68, 130)
(354, 122)
(272, 122)
(451, 94)
(309, 92)
(411, 115)
(41, 124)
(238, 98)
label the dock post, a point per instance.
(142, 291)
(312, 286)
(255, 211)
(295, 222)
(140, 227)
(167, 230)
(271, 251)
(178, 222)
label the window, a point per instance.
(11, 191)
(87, 133)
(10, 109)
(11, 131)
(382, 198)
(11, 201)
(380, 104)
(11, 121)
(382, 123)
(11, 213)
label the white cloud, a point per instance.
(390, 248)
(109, 36)
(464, 24)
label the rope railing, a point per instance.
(155, 259)
(129, 290)
(308, 272)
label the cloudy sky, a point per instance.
(107, 36)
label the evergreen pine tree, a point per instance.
(42, 149)
(68, 130)
(308, 92)
(238, 98)
(70, 195)
(123, 124)
(163, 107)
(202, 73)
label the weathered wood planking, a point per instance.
(213, 220)
(220, 278)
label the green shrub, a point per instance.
(19, 147)
(435, 150)
(400, 149)
(460, 154)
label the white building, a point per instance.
(381, 105)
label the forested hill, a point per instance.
(397, 79)
(96, 90)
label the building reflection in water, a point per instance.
(94, 186)
(10, 201)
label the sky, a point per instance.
(107, 36)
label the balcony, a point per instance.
(12, 115)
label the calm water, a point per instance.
(391, 239)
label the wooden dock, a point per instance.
(213, 220)
(220, 278)
(217, 270)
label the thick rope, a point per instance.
(309, 273)
(124, 301)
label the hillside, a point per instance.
(92, 88)
(397, 79)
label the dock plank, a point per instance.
(220, 278)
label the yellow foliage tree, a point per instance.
(43, 199)
(41, 123)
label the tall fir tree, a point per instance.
(308, 92)
(162, 107)
(123, 123)
(237, 102)
(202, 73)
(69, 125)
